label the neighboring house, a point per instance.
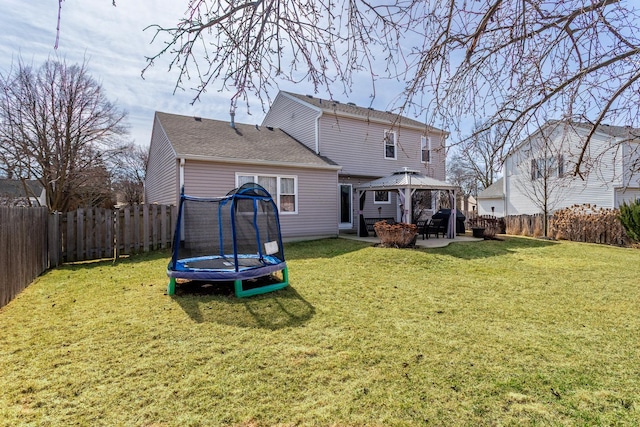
(209, 158)
(540, 169)
(467, 204)
(15, 192)
(491, 199)
(366, 143)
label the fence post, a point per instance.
(115, 220)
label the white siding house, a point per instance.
(491, 199)
(366, 143)
(209, 158)
(541, 169)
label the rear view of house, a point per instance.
(309, 153)
(368, 144)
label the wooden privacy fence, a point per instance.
(96, 233)
(576, 223)
(32, 240)
(23, 248)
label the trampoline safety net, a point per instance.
(234, 237)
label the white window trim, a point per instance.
(425, 142)
(276, 197)
(385, 202)
(395, 145)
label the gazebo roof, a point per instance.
(406, 178)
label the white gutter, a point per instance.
(182, 160)
(256, 162)
(317, 132)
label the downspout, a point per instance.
(181, 174)
(317, 132)
(505, 183)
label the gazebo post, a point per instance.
(407, 205)
(359, 213)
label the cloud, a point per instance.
(113, 42)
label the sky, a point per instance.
(114, 45)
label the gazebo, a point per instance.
(405, 182)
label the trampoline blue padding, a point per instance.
(222, 268)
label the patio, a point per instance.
(432, 242)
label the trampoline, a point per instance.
(232, 238)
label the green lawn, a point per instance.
(514, 332)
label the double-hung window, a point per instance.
(425, 149)
(390, 144)
(283, 189)
(547, 167)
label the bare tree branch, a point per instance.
(514, 62)
(57, 126)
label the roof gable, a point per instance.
(494, 191)
(195, 137)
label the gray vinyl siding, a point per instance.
(295, 118)
(358, 146)
(317, 194)
(161, 181)
(356, 143)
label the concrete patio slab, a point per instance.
(431, 242)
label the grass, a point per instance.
(514, 332)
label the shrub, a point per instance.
(630, 219)
(588, 223)
(400, 235)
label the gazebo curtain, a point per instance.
(451, 229)
(363, 226)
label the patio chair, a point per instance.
(434, 226)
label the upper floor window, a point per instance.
(389, 144)
(550, 167)
(283, 189)
(425, 149)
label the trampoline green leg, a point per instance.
(237, 285)
(240, 292)
(171, 289)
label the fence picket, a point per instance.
(145, 227)
(154, 227)
(136, 235)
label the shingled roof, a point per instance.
(494, 191)
(207, 139)
(15, 188)
(351, 109)
(623, 132)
